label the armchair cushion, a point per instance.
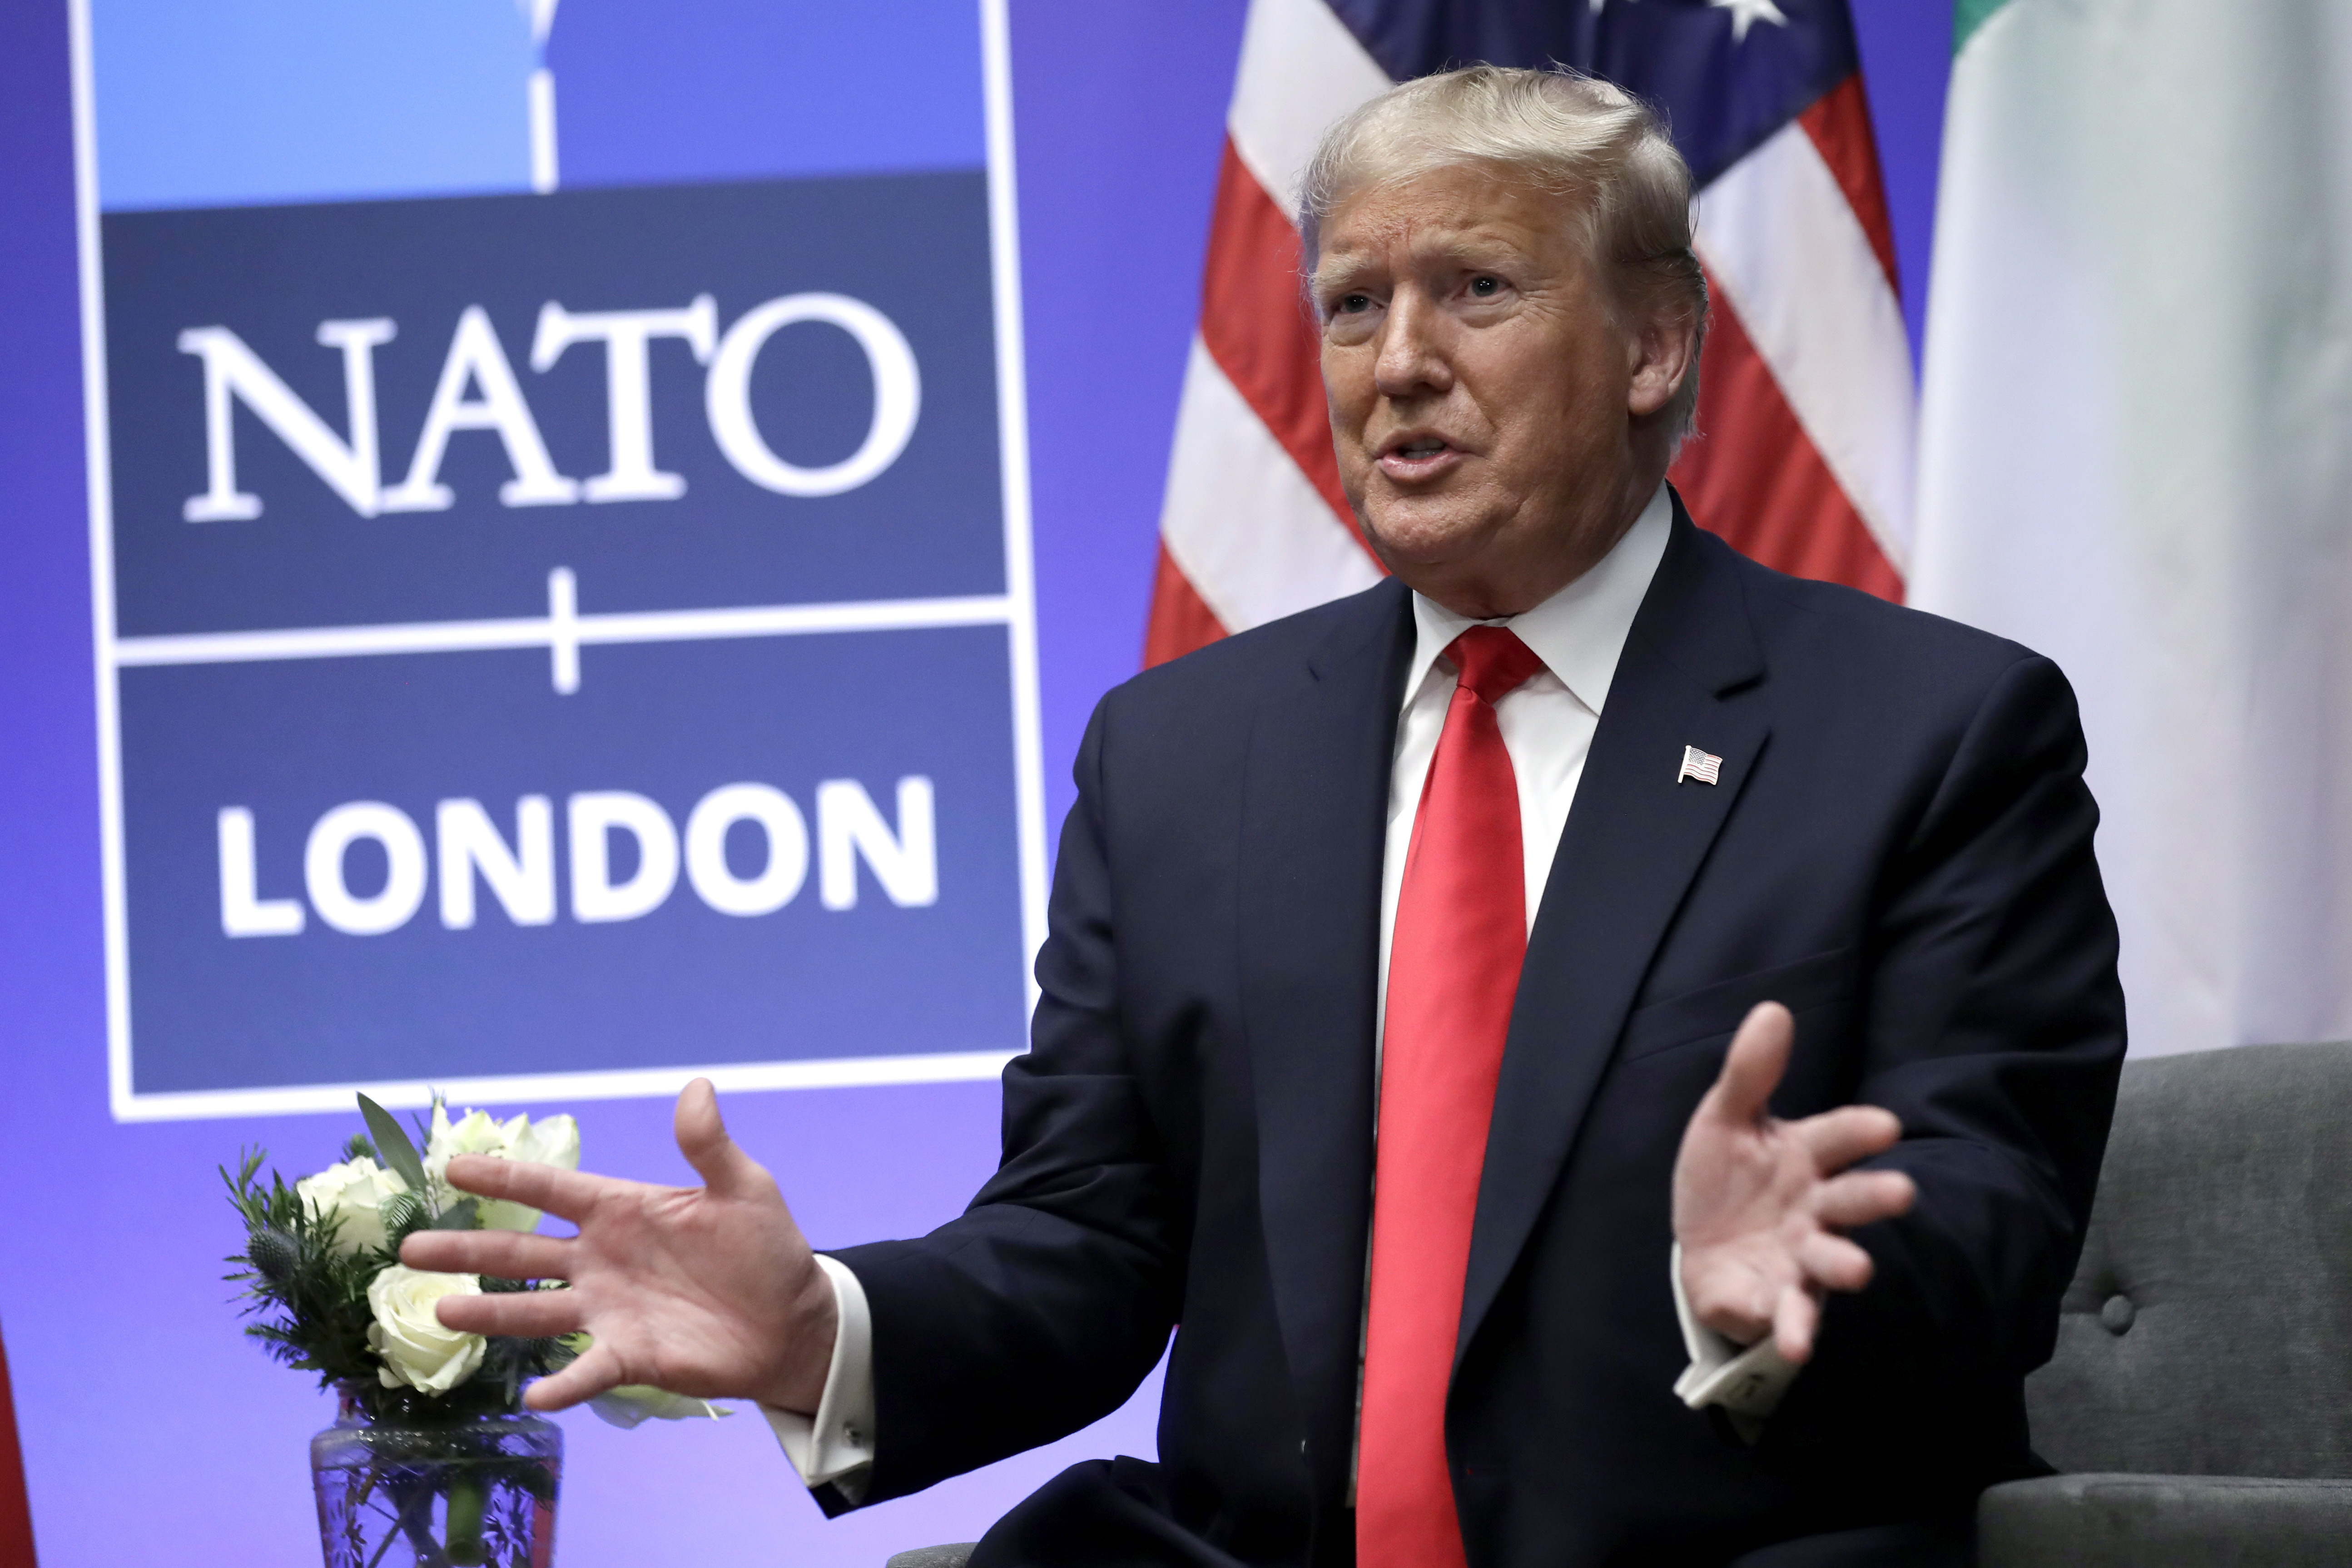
(2128, 1520)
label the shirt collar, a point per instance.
(1579, 632)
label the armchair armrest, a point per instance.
(2124, 1520)
(954, 1556)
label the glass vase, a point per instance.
(456, 1493)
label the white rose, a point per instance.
(475, 1133)
(555, 1140)
(354, 1192)
(416, 1350)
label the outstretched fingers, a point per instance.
(520, 1314)
(597, 1370)
(1833, 1263)
(1794, 1320)
(1863, 1197)
(1761, 1204)
(1752, 1068)
(702, 1138)
(567, 1194)
(1836, 1139)
(504, 1254)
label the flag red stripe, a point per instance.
(1256, 325)
(1753, 476)
(1839, 123)
(1181, 621)
(16, 1511)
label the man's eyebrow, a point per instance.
(1469, 245)
(1333, 272)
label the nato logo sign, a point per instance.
(558, 522)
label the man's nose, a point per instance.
(1412, 360)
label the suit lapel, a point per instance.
(1690, 675)
(1314, 820)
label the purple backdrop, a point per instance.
(151, 1432)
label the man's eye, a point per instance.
(1485, 288)
(1350, 303)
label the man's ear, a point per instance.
(1664, 352)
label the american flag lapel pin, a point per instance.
(1704, 766)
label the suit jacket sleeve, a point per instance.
(1043, 1306)
(1995, 1030)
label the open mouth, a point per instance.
(1417, 457)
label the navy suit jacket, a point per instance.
(1899, 850)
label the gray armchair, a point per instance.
(2201, 1398)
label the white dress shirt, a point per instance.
(1547, 725)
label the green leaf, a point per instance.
(398, 1153)
(402, 1211)
(459, 1215)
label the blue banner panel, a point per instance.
(860, 898)
(555, 641)
(566, 330)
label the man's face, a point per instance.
(1484, 391)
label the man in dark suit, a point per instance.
(1789, 1098)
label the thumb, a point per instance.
(702, 1139)
(1752, 1068)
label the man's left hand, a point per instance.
(1761, 1204)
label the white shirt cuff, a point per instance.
(837, 1443)
(1748, 1384)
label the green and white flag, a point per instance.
(2137, 458)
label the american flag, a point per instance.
(1704, 766)
(1806, 403)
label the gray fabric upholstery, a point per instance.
(2160, 1522)
(2208, 1329)
(954, 1556)
(2202, 1389)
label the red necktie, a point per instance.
(1454, 968)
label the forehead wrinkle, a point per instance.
(1424, 241)
(1454, 225)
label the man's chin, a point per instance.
(1427, 537)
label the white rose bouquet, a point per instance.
(445, 1462)
(321, 1271)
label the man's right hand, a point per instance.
(710, 1291)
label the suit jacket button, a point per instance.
(2117, 1313)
